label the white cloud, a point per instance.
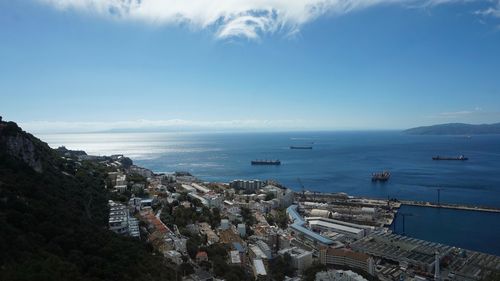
(493, 11)
(230, 18)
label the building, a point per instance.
(241, 251)
(348, 258)
(206, 229)
(235, 257)
(338, 275)
(256, 253)
(404, 250)
(283, 196)
(248, 185)
(200, 188)
(141, 171)
(264, 248)
(203, 201)
(242, 229)
(303, 232)
(324, 224)
(224, 224)
(259, 270)
(174, 256)
(301, 259)
(201, 256)
(120, 221)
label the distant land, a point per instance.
(456, 129)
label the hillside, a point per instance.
(53, 217)
(455, 129)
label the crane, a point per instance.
(303, 189)
(404, 215)
(439, 196)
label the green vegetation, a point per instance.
(310, 273)
(280, 218)
(248, 217)
(54, 223)
(218, 255)
(281, 266)
(269, 196)
(182, 216)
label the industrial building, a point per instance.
(323, 224)
(298, 226)
(402, 249)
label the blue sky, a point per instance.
(69, 65)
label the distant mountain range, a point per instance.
(455, 129)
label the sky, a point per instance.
(92, 65)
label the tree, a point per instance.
(269, 196)
(248, 216)
(310, 273)
(281, 266)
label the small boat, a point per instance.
(383, 176)
(459, 158)
(266, 162)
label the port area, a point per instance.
(449, 206)
(369, 211)
(365, 211)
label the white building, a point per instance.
(265, 248)
(224, 224)
(249, 185)
(301, 259)
(235, 257)
(338, 275)
(324, 224)
(284, 196)
(174, 256)
(200, 188)
(259, 269)
(242, 230)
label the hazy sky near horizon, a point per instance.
(87, 65)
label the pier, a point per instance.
(450, 206)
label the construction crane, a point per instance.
(303, 189)
(404, 215)
(439, 196)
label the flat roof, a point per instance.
(298, 223)
(336, 226)
(260, 269)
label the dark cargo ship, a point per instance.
(300, 147)
(383, 176)
(459, 158)
(266, 162)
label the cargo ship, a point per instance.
(266, 162)
(383, 176)
(300, 147)
(459, 158)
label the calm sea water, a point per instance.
(339, 162)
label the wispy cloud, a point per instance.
(171, 124)
(475, 115)
(459, 114)
(492, 11)
(232, 18)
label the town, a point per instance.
(261, 230)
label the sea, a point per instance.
(340, 161)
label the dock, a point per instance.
(450, 206)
